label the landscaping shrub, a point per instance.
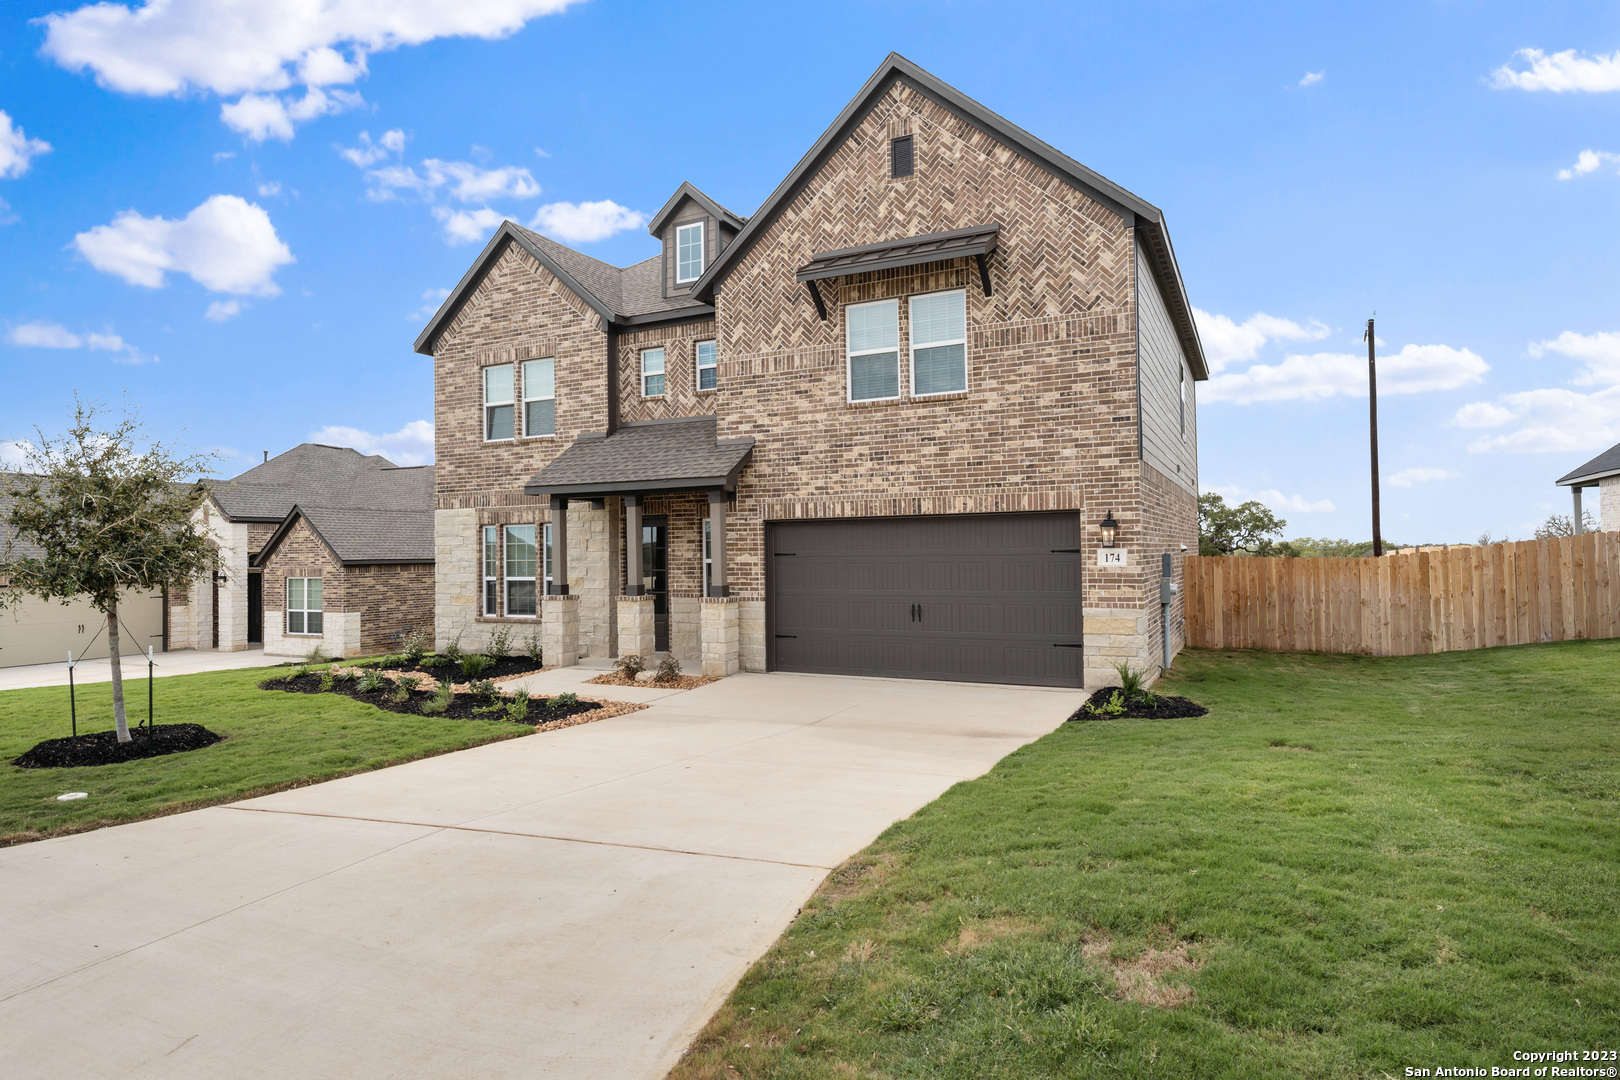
(669, 669)
(518, 710)
(568, 699)
(345, 675)
(500, 642)
(435, 661)
(484, 688)
(317, 655)
(1130, 685)
(630, 665)
(453, 650)
(371, 682)
(531, 646)
(408, 683)
(414, 644)
(474, 665)
(440, 701)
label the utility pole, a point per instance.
(1372, 419)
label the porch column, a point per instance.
(632, 545)
(559, 546)
(1576, 491)
(717, 544)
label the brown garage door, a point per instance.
(991, 598)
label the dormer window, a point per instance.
(688, 252)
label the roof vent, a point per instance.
(902, 160)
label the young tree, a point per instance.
(1230, 530)
(104, 516)
(1563, 525)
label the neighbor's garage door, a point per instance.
(993, 598)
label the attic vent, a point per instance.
(902, 161)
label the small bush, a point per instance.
(669, 669)
(453, 650)
(474, 665)
(500, 642)
(317, 655)
(414, 644)
(630, 665)
(431, 662)
(1130, 684)
(484, 688)
(531, 647)
(327, 682)
(518, 710)
(371, 682)
(344, 675)
(439, 702)
(566, 700)
(408, 683)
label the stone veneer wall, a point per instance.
(1609, 503)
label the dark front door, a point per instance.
(255, 609)
(983, 598)
(655, 575)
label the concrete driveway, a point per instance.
(573, 904)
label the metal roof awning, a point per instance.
(977, 242)
(645, 457)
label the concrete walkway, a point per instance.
(179, 662)
(574, 904)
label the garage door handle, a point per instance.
(1065, 551)
(1066, 644)
(780, 554)
(787, 635)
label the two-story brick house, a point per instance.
(928, 412)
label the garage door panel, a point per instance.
(984, 598)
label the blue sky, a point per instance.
(237, 214)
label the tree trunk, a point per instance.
(117, 673)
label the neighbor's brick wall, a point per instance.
(1609, 503)
(302, 554)
(392, 600)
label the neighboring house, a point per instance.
(1603, 473)
(322, 546)
(37, 631)
(874, 428)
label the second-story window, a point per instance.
(539, 398)
(939, 343)
(873, 337)
(498, 402)
(708, 365)
(652, 373)
(688, 252)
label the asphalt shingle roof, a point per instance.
(635, 290)
(650, 454)
(906, 251)
(363, 536)
(1605, 464)
(312, 474)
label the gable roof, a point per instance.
(314, 474)
(688, 191)
(1605, 464)
(621, 296)
(362, 537)
(1146, 218)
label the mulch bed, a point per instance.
(1164, 707)
(507, 667)
(545, 714)
(679, 682)
(103, 747)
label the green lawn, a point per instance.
(272, 740)
(1351, 866)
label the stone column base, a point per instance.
(637, 633)
(721, 636)
(559, 630)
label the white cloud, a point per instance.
(1561, 72)
(16, 148)
(1312, 78)
(410, 445)
(222, 310)
(433, 298)
(368, 153)
(1600, 354)
(1555, 419)
(1588, 161)
(1408, 477)
(1275, 499)
(1227, 342)
(45, 335)
(270, 188)
(14, 454)
(461, 180)
(1415, 369)
(257, 49)
(467, 226)
(582, 223)
(227, 245)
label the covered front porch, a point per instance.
(667, 487)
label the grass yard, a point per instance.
(272, 740)
(1352, 866)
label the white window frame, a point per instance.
(304, 610)
(851, 354)
(699, 367)
(702, 253)
(508, 578)
(662, 372)
(510, 402)
(491, 599)
(912, 345)
(552, 397)
(707, 551)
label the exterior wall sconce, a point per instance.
(1110, 529)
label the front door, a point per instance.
(655, 575)
(255, 609)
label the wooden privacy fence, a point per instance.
(1430, 600)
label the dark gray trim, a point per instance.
(612, 379)
(696, 313)
(1587, 480)
(1130, 208)
(641, 487)
(978, 240)
(815, 294)
(687, 191)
